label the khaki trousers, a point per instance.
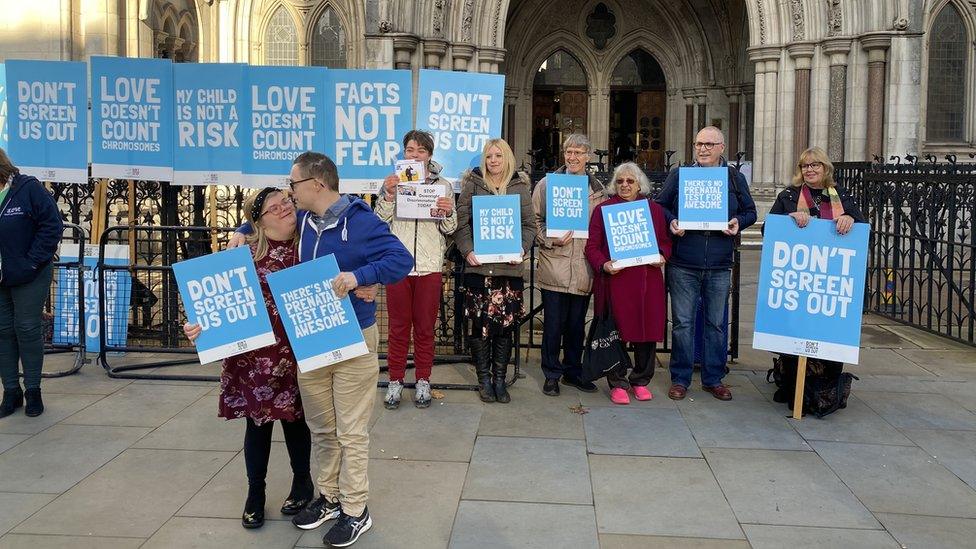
(338, 401)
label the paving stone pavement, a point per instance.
(118, 463)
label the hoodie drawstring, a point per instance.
(345, 233)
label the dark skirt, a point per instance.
(492, 304)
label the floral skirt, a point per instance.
(493, 304)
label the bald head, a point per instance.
(709, 146)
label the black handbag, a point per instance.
(604, 350)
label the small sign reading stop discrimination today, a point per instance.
(321, 327)
(630, 234)
(567, 205)
(703, 198)
(811, 289)
(222, 294)
(497, 228)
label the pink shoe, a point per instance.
(619, 396)
(642, 393)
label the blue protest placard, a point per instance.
(703, 198)
(811, 289)
(288, 116)
(222, 293)
(567, 205)
(118, 289)
(132, 118)
(49, 119)
(3, 107)
(497, 228)
(210, 119)
(372, 110)
(463, 110)
(322, 328)
(630, 234)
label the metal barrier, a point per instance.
(64, 330)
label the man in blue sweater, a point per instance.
(700, 267)
(338, 399)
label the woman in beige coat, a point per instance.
(565, 277)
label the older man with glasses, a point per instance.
(700, 268)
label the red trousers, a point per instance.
(412, 302)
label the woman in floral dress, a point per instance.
(261, 386)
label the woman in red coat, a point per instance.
(636, 294)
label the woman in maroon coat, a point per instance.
(636, 294)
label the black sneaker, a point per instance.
(316, 514)
(347, 530)
(551, 387)
(585, 386)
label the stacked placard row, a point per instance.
(229, 123)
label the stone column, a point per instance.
(489, 59)
(689, 127)
(434, 50)
(732, 134)
(701, 99)
(403, 47)
(877, 47)
(461, 53)
(765, 116)
(802, 53)
(838, 50)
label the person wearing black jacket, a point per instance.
(814, 193)
(701, 267)
(31, 228)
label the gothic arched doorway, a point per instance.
(559, 106)
(638, 111)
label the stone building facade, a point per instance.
(860, 78)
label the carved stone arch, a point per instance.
(675, 68)
(528, 63)
(352, 17)
(435, 18)
(765, 23)
(261, 18)
(490, 23)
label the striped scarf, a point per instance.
(805, 202)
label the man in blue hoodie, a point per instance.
(700, 267)
(338, 400)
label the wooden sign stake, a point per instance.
(801, 380)
(212, 199)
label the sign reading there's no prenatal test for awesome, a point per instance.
(703, 198)
(630, 234)
(811, 289)
(321, 328)
(222, 294)
(497, 228)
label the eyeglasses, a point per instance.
(285, 205)
(572, 152)
(705, 145)
(627, 180)
(293, 183)
(811, 166)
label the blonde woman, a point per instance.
(262, 385)
(814, 193)
(493, 291)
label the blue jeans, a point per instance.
(565, 316)
(685, 286)
(22, 330)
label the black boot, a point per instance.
(501, 352)
(34, 405)
(481, 355)
(302, 493)
(253, 516)
(12, 399)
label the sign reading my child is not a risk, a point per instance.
(497, 228)
(567, 205)
(372, 111)
(630, 234)
(132, 118)
(49, 107)
(221, 292)
(703, 198)
(321, 328)
(811, 289)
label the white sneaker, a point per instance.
(421, 397)
(393, 391)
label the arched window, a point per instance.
(560, 69)
(281, 39)
(328, 41)
(947, 78)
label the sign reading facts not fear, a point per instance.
(811, 289)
